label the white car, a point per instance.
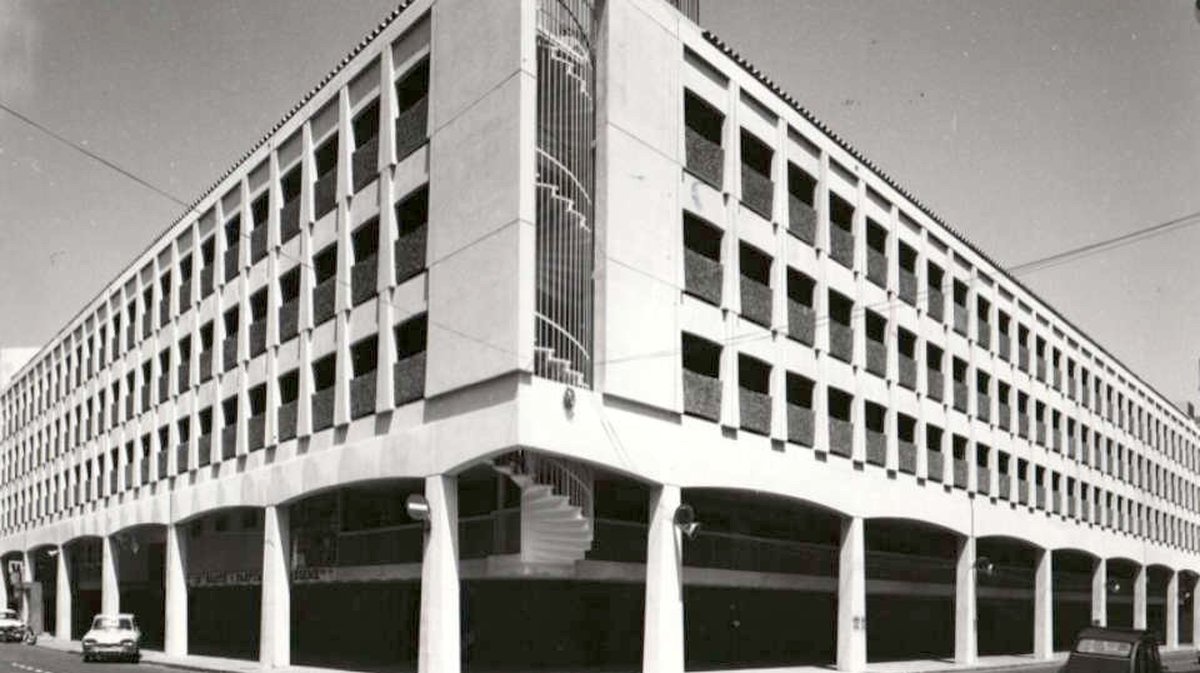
(113, 637)
(12, 629)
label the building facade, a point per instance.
(549, 334)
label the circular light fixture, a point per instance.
(685, 521)
(417, 507)
(984, 566)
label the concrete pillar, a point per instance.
(275, 649)
(439, 645)
(1172, 634)
(1100, 593)
(110, 591)
(175, 589)
(62, 597)
(1139, 598)
(662, 644)
(1043, 606)
(965, 637)
(3, 586)
(852, 598)
(26, 580)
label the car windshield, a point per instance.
(1107, 648)
(112, 623)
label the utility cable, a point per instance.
(1122, 240)
(92, 155)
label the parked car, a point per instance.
(1110, 650)
(13, 630)
(113, 637)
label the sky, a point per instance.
(1030, 126)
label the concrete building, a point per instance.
(581, 278)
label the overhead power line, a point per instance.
(1122, 240)
(92, 155)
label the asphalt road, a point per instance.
(18, 658)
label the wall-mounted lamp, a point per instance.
(417, 508)
(52, 552)
(685, 520)
(569, 399)
(1114, 586)
(984, 566)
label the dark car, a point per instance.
(1104, 650)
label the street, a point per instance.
(18, 658)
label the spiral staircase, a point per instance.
(565, 181)
(556, 506)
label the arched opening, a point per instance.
(910, 590)
(356, 577)
(140, 553)
(224, 552)
(11, 580)
(1157, 579)
(553, 574)
(760, 581)
(83, 569)
(1187, 594)
(1072, 587)
(43, 593)
(1005, 600)
(1121, 576)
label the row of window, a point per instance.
(59, 434)
(1051, 490)
(67, 368)
(147, 459)
(1035, 354)
(701, 366)
(703, 278)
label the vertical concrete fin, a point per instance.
(175, 637)
(62, 597)
(439, 630)
(965, 642)
(852, 597)
(662, 644)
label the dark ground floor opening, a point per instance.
(147, 604)
(524, 625)
(1185, 623)
(1120, 613)
(49, 608)
(903, 627)
(85, 604)
(225, 621)
(1005, 625)
(366, 626)
(731, 627)
(1070, 616)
